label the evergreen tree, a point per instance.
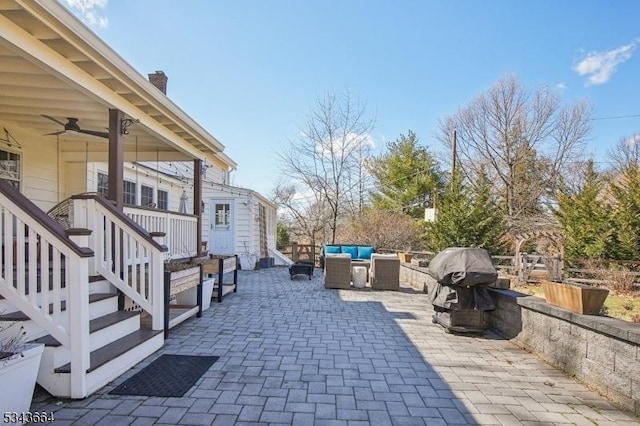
(466, 217)
(626, 194)
(406, 176)
(586, 218)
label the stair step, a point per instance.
(113, 350)
(95, 278)
(110, 319)
(94, 325)
(19, 316)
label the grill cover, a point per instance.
(460, 266)
(462, 275)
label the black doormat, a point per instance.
(169, 375)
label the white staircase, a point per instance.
(117, 342)
(62, 286)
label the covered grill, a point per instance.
(460, 297)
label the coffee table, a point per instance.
(301, 268)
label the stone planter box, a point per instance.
(579, 298)
(420, 263)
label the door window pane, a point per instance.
(222, 216)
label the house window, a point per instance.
(129, 193)
(222, 216)
(10, 168)
(146, 196)
(103, 184)
(163, 200)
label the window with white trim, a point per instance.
(10, 168)
(129, 190)
(163, 200)
(102, 186)
(146, 196)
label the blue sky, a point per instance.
(249, 70)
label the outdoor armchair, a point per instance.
(337, 271)
(384, 273)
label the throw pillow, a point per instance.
(331, 249)
(352, 250)
(365, 252)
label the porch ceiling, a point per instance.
(51, 64)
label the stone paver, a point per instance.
(292, 352)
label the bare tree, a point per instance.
(625, 154)
(326, 157)
(521, 139)
(307, 215)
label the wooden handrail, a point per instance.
(42, 218)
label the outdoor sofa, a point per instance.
(357, 252)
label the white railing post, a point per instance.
(156, 282)
(77, 277)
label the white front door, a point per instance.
(221, 239)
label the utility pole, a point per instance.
(454, 152)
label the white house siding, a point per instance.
(246, 217)
(142, 176)
(39, 174)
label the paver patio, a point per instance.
(292, 352)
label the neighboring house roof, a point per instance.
(52, 64)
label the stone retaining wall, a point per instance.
(602, 352)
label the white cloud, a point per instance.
(633, 140)
(345, 144)
(600, 66)
(90, 11)
(561, 87)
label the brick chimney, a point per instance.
(159, 79)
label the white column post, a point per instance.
(157, 290)
(78, 306)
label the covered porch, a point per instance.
(67, 102)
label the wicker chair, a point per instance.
(384, 273)
(337, 271)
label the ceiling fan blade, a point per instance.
(55, 133)
(94, 133)
(53, 119)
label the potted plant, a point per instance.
(19, 364)
(579, 298)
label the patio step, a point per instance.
(99, 304)
(107, 353)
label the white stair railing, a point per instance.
(125, 254)
(181, 229)
(45, 276)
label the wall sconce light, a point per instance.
(126, 123)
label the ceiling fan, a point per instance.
(72, 125)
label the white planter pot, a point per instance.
(207, 292)
(19, 373)
(190, 296)
(247, 263)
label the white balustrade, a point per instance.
(44, 275)
(181, 230)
